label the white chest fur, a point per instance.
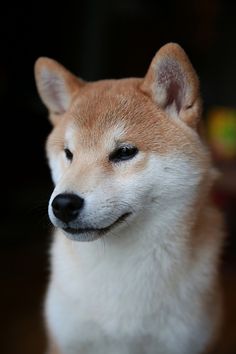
(139, 292)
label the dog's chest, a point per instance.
(121, 305)
(111, 301)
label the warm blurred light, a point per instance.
(221, 129)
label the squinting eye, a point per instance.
(123, 153)
(68, 154)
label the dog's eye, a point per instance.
(123, 153)
(68, 154)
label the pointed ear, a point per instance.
(173, 84)
(56, 86)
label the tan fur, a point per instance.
(146, 134)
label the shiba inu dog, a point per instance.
(135, 254)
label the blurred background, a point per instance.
(99, 39)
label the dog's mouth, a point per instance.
(82, 234)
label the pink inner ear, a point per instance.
(170, 79)
(55, 92)
(56, 97)
(56, 85)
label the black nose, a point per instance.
(66, 207)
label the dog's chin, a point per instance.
(82, 236)
(90, 233)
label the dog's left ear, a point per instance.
(173, 84)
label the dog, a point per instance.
(137, 243)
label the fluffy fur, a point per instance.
(150, 284)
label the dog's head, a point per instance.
(121, 148)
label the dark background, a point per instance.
(94, 39)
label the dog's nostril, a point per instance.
(66, 207)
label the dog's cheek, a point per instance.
(57, 167)
(133, 190)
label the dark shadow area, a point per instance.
(96, 40)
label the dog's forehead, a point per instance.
(86, 139)
(117, 110)
(105, 102)
(104, 109)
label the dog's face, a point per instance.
(120, 148)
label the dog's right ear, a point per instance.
(56, 86)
